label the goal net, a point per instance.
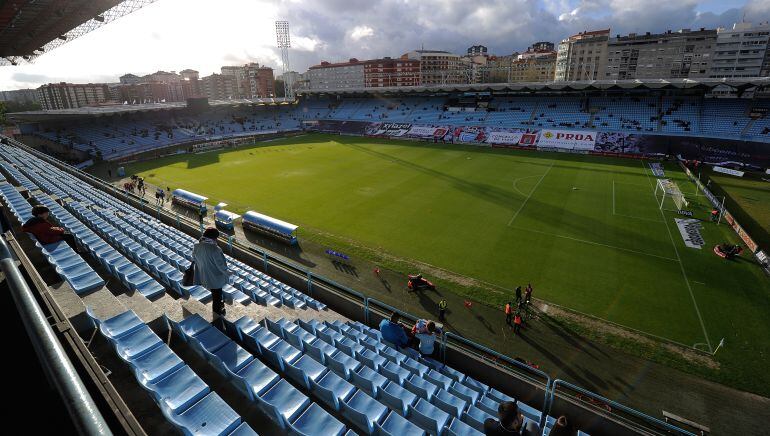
(669, 190)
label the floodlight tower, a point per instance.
(284, 43)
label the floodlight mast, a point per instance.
(284, 43)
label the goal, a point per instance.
(667, 190)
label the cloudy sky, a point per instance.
(206, 34)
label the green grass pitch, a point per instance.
(586, 231)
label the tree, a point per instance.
(278, 87)
(3, 110)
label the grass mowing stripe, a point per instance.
(681, 265)
(530, 193)
(596, 243)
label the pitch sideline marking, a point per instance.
(613, 196)
(681, 267)
(530, 193)
(639, 218)
(630, 250)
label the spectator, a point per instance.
(393, 332)
(427, 339)
(510, 422)
(211, 269)
(44, 231)
(562, 427)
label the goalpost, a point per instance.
(666, 188)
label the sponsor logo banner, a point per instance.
(503, 137)
(684, 212)
(689, 228)
(568, 139)
(418, 131)
(729, 171)
(388, 129)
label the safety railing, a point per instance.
(53, 359)
(370, 305)
(631, 417)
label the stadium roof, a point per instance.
(118, 109)
(588, 85)
(29, 28)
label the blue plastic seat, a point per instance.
(305, 369)
(449, 403)
(210, 416)
(475, 417)
(118, 325)
(260, 339)
(372, 344)
(332, 389)
(178, 390)
(459, 428)
(475, 385)
(193, 325)
(393, 355)
(394, 372)
(315, 420)
(397, 398)
(283, 403)
(136, 343)
(453, 373)
(211, 340)
(232, 357)
(244, 325)
(414, 366)
(281, 353)
(499, 396)
(156, 364)
(420, 386)
(299, 338)
(460, 390)
(438, 379)
(363, 411)
(372, 359)
(488, 404)
(319, 350)
(397, 425)
(428, 416)
(368, 380)
(243, 430)
(342, 364)
(151, 289)
(350, 347)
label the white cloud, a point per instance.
(360, 32)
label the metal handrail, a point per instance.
(81, 407)
(615, 404)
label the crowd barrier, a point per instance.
(453, 349)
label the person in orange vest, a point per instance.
(517, 323)
(714, 215)
(508, 313)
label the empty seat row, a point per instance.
(276, 397)
(17, 204)
(184, 399)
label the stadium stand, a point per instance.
(118, 137)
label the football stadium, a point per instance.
(415, 252)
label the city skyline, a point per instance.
(205, 37)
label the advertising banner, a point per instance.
(729, 171)
(388, 129)
(504, 137)
(567, 139)
(427, 131)
(689, 228)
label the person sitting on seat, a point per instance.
(427, 339)
(510, 422)
(393, 332)
(45, 232)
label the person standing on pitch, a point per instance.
(442, 305)
(517, 320)
(211, 270)
(518, 293)
(508, 313)
(528, 294)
